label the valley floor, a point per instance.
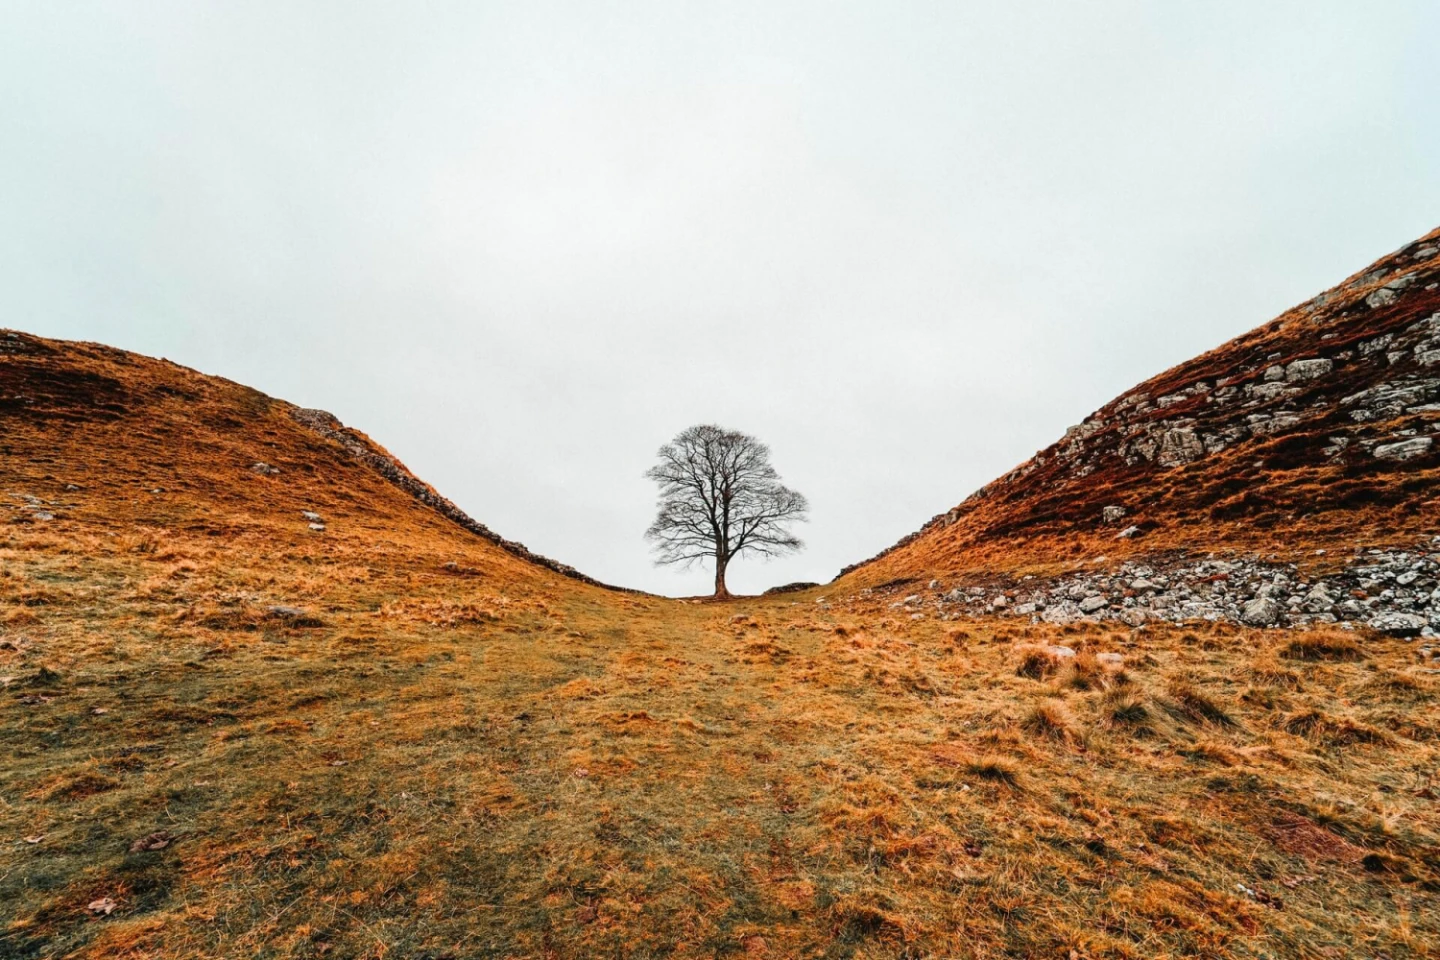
(422, 759)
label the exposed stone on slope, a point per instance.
(1405, 449)
(1399, 624)
(1311, 369)
(1392, 591)
(1261, 612)
(1259, 432)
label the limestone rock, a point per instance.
(1380, 298)
(1399, 624)
(1133, 616)
(1261, 612)
(1405, 449)
(1312, 369)
(1179, 445)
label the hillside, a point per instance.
(116, 441)
(1311, 432)
(265, 693)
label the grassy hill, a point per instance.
(231, 734)
(1309, 432)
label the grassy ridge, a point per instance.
(436, 749)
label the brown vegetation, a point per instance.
(1284, 496)
(230, 735)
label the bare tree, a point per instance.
(720, 497)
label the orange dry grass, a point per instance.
(581, 773)
(451, 752)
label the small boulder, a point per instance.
(1405, 449)
(1312, 369)
(1399, 624)
(1093, 604)
(1380, 298)
(1318, 600)
(1112, 513)
(1261, 612)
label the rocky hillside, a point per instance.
(1314, 432)
(113, 440)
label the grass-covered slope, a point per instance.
(227, 734)
(1314, 431)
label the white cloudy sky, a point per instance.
(522, 244)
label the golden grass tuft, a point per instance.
(1331, 731)
(1051, 720)
(1126, 708)
(1037, 663)
(998, 770)
(1316, 645)
(1187, 703)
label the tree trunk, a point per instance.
(720, 562)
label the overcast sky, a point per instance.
(523, 244)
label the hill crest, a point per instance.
(1296, 436)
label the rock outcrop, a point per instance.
(1315, 426)
(1395, 592)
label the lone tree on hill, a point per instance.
(720, 497)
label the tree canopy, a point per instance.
(720, 497)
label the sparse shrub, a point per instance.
(1271, 673)
(1322, 646)
(1051, 721)
(74, 786)
(1397, 686)
(1126, 708)
(1187, 703)
(1088, 673)
(996, 770)
(1331, 731)
(958, 637)
(1035, 665)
